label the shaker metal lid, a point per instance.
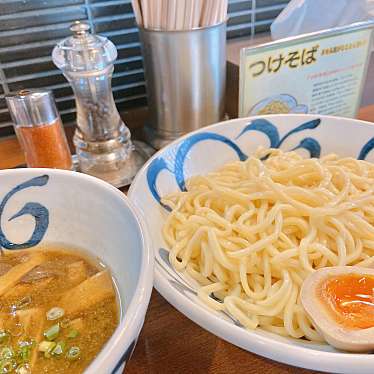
(80, 29)
(32, 107)
(83, 51)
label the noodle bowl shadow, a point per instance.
(206, 150)
(44, 206)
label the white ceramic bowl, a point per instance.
(40, 206)
(206, 150)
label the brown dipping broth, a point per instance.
(63, 279)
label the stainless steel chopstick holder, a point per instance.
(185, 76)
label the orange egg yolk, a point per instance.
(350, 299)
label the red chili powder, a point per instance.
(46, 146)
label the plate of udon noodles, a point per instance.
(241, 212)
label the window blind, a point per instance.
(29, 29)
(248, 18)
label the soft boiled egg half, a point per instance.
(340, 302)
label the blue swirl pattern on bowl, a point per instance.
(260, 125)
(38, 211)
(366, 149)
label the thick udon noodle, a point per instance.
(251, 232)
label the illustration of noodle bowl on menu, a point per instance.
(278, 104)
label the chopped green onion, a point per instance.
(24, 353)
(73, 353)
(59, 348)
(52, 332)
(23, 369)
(48, 354)
(45, 346)
(6, 353)
(73, 334)
(55, 313)
(4, 336)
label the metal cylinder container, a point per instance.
(185, 77)
(32, 108)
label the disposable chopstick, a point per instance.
(145, 12)
(158, 14)
(188, 20)
(208, 11)
(197, 5)
(215, 12)
(202, 14)
(151, 13)
(137, 12)
(223, 15)
(164, 14)
(181, 15)
(172, 9)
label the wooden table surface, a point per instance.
(170, 342)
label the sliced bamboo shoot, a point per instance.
(26, 289)
(77, 272)
(32, 321)
(11, 278)
(90, 292)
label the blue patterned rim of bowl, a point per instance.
(262, 125)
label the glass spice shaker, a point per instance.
(39, 129)
(102, 140)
